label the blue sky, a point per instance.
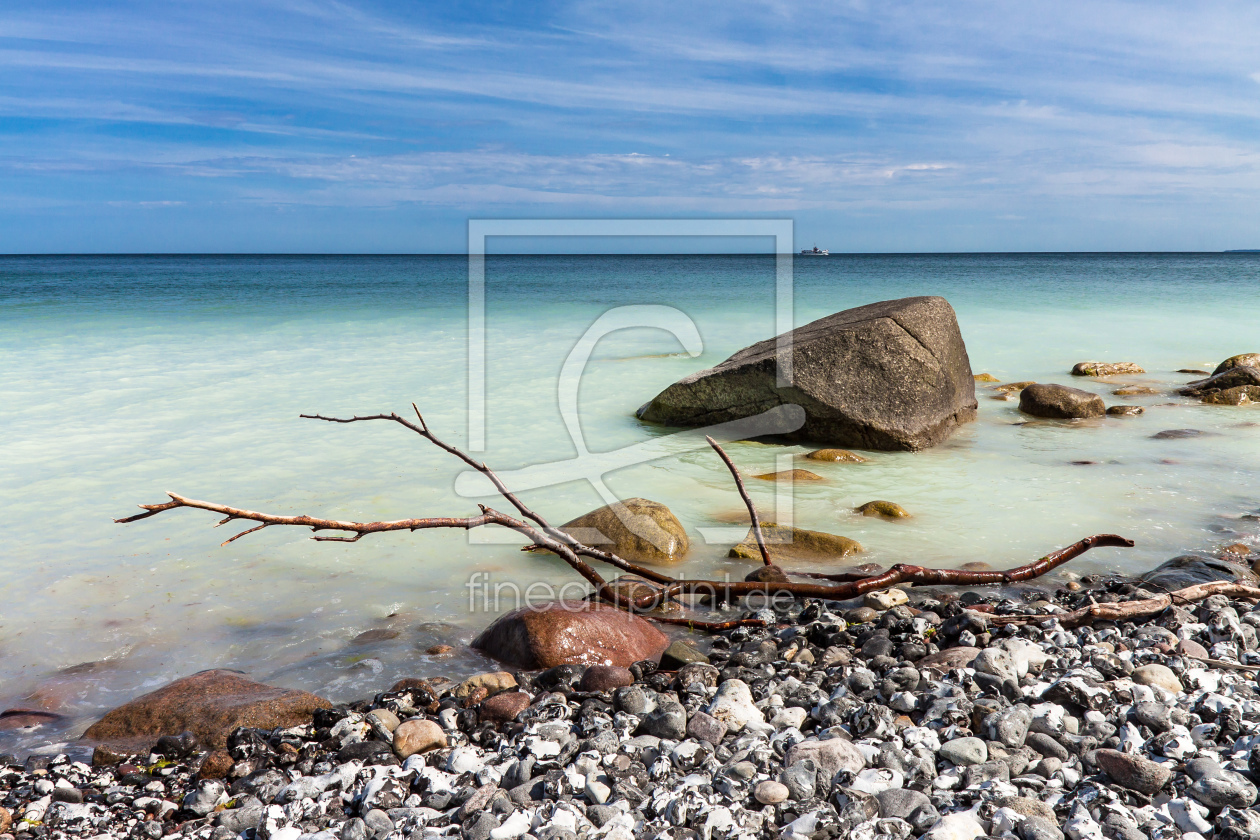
(349, 126)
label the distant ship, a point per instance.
(815, 252)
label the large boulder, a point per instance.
(571, 633)
(1241, 360)
(635, 529)
(1239, 376)
(892, 375)
(209, 704)
(1060, 402)
(1190, 569)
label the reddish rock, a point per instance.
(210, 705)
(571, 632)
(503, 707)
(24, 718)
(605, 678)
(417, 736)
(216, 766)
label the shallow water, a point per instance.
(124, 377)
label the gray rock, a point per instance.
(771, 792)
(892, 375)
(901, 802)
(1046, 746)
(1240, 376)
(378, 823)
(669, 720)
(704, 727)
(831, 755)
(1189, 569)
(1132, 771)
(1035, 828)
(248, 813)
(633, 699)
(1060, 402)
(354, 829)
(1228, 790)
(1236, 824)
(479, 826)
(978, 774)
(801, 779)
(1010, 726)
(204, 798)
(599, 815)
(965, 751)
(997, 662)
(1155, 716)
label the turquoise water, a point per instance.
(123, 377)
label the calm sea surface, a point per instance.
(123, 377)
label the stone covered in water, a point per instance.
(210, 705)
(1105, 368)
(1240, 376)
(892, 375)
(796, 544)
(794, 475)
(889, 510)
(635, 529)
(1190, 569)
(842, 456)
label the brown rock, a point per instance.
(767, 574)
(888, 510)
(216, 765)
(380, 634)
(26, 718)
(6, 820)
(949, 659)
(103, 756)
(633, 587)
(842, 456)
(439, 650)
(976, 566)
(1011, 387)
(796, 544)
(417, 736)
(635, 529)
(209, 704)
(1240, 395)
(493, 682)
(1193, 371)
(985, 377)
(1105, 368)
(1241, 360)
(1135, 391)
(1060, 402)
(1125, 410)
(794, 475)
(571, 632)
(1241, 549)
(605, 678)
(503, 707)
(1133, 772)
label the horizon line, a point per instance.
(595, 254)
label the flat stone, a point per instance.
(1105, 368)
(840, 456)
(949, 659)
(1133, 772)
(831, 755)
(210, 704)
(680, 654)
(790, 475)
(1125, 410)
(798, 544)
(964, 752)
(885, 599)
(604, 678)
(635, 529)
(418, 736)
(733, 705)
(985, 377)
(1158, 675)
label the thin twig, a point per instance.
(743, 494)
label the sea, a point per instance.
(124, 377)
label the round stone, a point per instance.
(418, 736)
(771, 792)
(1160, 676)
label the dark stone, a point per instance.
(210, 705)
(892, 375)
(571, 632)
(1176, 434)
(1047, 746)
(680, 654)
(503, 707)
(1235, 377)
(362, 751)
(1131, 771)
(1190, 569)
(704, 727)
(1060, 402)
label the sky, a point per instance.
(359, 126)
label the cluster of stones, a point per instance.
(910, 716)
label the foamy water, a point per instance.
(126, 377)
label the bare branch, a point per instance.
(743, 494)
(1139, 609)
(243, 533)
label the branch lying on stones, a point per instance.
(1136, 610)
(547, 537)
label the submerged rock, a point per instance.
(796, 544)
(1190, 569)
(842, 456)
(1240, 376)
(571, 632)
(1125, 410)
(794, 475)
(1060, 402)
(635, 529)
(209, 704)
(892, 375)
(985, 377)
(889, 510)
(1241, 395)
(1105, 368)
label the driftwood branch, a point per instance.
(1136, 610)
(534, 527)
